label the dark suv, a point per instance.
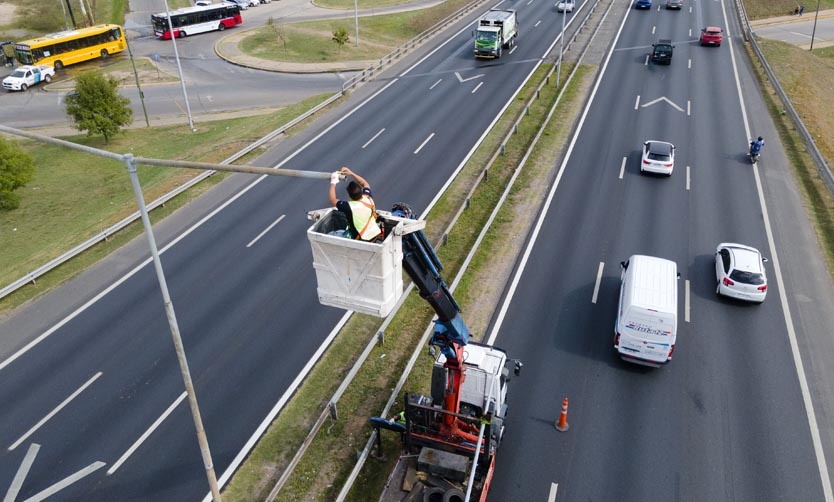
(662, 51)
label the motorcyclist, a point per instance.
(756, 146)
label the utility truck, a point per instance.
(24, 77)
(497, 30)
(449, 437)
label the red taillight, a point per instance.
(671, 350)
(727, 281)
(668, 164)
(646, 161)
(762, 288)
(617, 339)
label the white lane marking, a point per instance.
(596, 285)
(686, 301)
(654, 28)
(54, 411)
(477, 87)
(496, 328)
(637, 103)
(622, 167)
(647, 61)
(377, 134)
(531, 1)
(462, 80)
(433, 86)
(662, 98)
(267, 229)
(60, 485)
(424, 142)
(690, 29)
(688, 107)
(22, 471)
(822, 464)
(689, 64)
(687, 178)
(537, 23)
(551, 497)
(513, 49)
(146, 434)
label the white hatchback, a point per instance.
(740, 272)
(658, 157)
(566, 5)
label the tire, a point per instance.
(221, 27)
(181, 34)
(58, 66)
(23, 87)
(47, 78)
(454, 495)
(104, 54)
(434, 494)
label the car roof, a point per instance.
(660, 147)
(745, 258)
(713, 28)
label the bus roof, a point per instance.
(197, 8)
(68, 35)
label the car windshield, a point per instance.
(18, 74)
(747, 277)
(487, 36)
(659, 156)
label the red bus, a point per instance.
(199, 19)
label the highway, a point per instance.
(729, 417)
(96, 395)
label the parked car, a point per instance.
(662, 51)
(658, 157)
(243, 4)
(740, 272)
(712, 35)
(566, 6)
(643, 4)
(674, 4)
(202, 3)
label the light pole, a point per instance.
(814, 31)
(561, 44)
(356, 19)
(179, 67)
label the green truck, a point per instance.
(497, 30)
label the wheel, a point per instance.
(104, 54)
(221, 27)
(58, 66)
(181, 34)
(23, 87)
(48, 78)
(434, 494)
(454, 495)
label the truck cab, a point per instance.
(24, 77)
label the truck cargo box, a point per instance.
(356, 275)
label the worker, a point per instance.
(360, 209)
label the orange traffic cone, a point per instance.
(562, 423)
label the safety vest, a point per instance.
(364, 218)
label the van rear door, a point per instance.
(647, 334)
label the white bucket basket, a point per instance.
(356, 275)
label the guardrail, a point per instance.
(749, 35)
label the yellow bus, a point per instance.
(74, 46)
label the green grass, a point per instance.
(363, 4)
(75, 195)
(312, 41)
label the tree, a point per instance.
(96, 107)
(340, 36)
(16, 169)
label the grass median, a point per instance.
(324, 468)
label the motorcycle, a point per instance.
(754, 153)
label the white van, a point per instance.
(647, 315)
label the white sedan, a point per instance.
(658, 157)
(740, 272)
(566, 6)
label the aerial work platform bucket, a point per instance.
(356, 275)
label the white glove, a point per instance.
(335, 178)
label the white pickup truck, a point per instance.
(24, 77)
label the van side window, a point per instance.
(725, 260)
